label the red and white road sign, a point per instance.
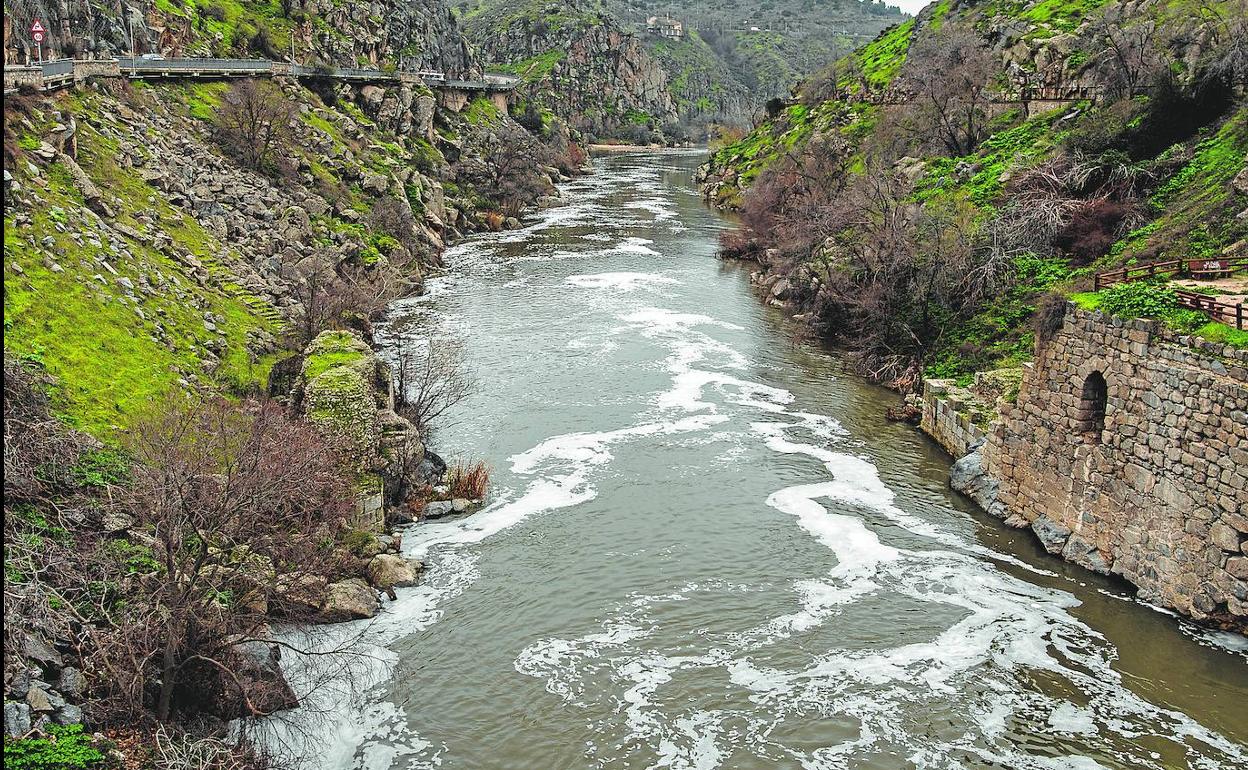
(37, 31)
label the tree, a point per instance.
(953, 76)
(238, 503)
(1125, 57)
(430, 379)
(509, 171)
(254, 123)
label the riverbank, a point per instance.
(628, 375)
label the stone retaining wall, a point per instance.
(946, 419)
(1127, 452)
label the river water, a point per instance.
(706, 548)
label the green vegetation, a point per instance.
(331, 349)
(880, 60)
(1004, 152)
(65, 748)
(789, 132)
(1195, 208)
(79, 307)
(535, 68)
(482, 112)
(1144, 299)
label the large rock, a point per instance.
(16, 719)
(1052, 534)
(340, 389)
(349, 600)
(391, 571)
(438, 508)
(71, 683)
(299, 593)
(967, 475)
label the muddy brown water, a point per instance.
(706, 547)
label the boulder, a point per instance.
(39, 651)
(967, 475)
(391, 571)
(438, 509)
(298, 593)
(1052, 535)
(16, 719)
(351, 599)
(38, 701)
(71, 683)
(69, 714)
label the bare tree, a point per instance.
(430, 380)
(236, 500)
(953, 75)
(1125, 57)
(1228, 24)
(509, 172)
(254, 122)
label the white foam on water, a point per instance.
(621, 281)
(1069, 718)
(659, 208)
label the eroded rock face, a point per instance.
(346, 391)
(424, 35)
(342, 386)
(587, 71)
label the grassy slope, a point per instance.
(105, 350)
(1191, 214)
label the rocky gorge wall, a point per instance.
(1127, 453)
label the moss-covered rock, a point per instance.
(340, 391)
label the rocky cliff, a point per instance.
(419, 36)
(575, 62)
(603, 69)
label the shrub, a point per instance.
(65, 748)
(215, 11)
(1092, 229)
(1050, 314)
(1139, 299)
(468, 480)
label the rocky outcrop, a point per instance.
(578, 64)
(423, 36)
(386, 571)
(347, 391)
(351, 599)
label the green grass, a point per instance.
(482, 112)
(882, 58)
(535, 68)
(1164, 309)
(64, 748)
(1006, 150)
(110, 358)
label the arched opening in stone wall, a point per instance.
(1092, 403)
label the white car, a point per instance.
(152, 57)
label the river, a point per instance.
(706, 548)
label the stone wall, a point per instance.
(946, 418)
(1127, 453)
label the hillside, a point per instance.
(1001, 153)
(192, 270)
(598, 65)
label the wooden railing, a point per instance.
(1232, 315)
(1218, 311)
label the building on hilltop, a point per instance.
(665, 26)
